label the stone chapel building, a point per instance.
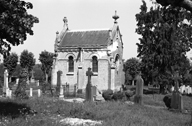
(101, 50)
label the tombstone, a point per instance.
(139, 90)
(172, 88)
(176, 99)
(89, 95)
(6, 85)
(182, 89)
(17, 81)
(75, 90)
(59, 73)
(61, 96)
(94, 92)
(31, 92)
(189, 90)
(37, 82)
(38, 92)
(9, 93)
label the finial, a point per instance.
(65, 20)
(115, 17)
(57, 33)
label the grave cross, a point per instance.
(176, 78)
(89, 73)
(89, 95)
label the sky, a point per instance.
(81, 14)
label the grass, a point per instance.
(46, 111)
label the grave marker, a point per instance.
(31, 92)
(89, 95)
(38, 92)
(139, 90)
(176, 99)
(6, 86)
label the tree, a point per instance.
(187, 4)
(15, 23)
(27, 60)
(10, 63)
(166, 38)
(131, 69)
(46, 59)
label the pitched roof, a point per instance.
(89, 38)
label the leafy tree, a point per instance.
(131, 68)
(27, 60)
(38, 72)
(10, 63)
(46, 59)
(15, 23)
(187, 4)
(165, 40)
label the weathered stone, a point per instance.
(89, 94)
(139, 90)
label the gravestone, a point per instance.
(58, 81)
(61, 96)
(176, 99)
(6, 86)
(89, 95)
(38, 92)
(37, 82)
(17, 81)
(31, 92)
(139, 90)
(94, 92)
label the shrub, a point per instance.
(107, 95)
(167, 101)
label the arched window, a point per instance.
(94, 64)
(71, 64)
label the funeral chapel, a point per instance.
(101, 50)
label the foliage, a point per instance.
(165, 39)
(38, 74)
(131, 68)
(10, 63)
(27, 60)
(15, 23)
(46, 59)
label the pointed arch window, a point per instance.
(70, 64)
(94, 64)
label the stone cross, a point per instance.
(89, 95)
(176, 99)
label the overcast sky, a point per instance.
(81, 14)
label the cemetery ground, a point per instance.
(50, 111)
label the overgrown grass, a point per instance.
(51, 110)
